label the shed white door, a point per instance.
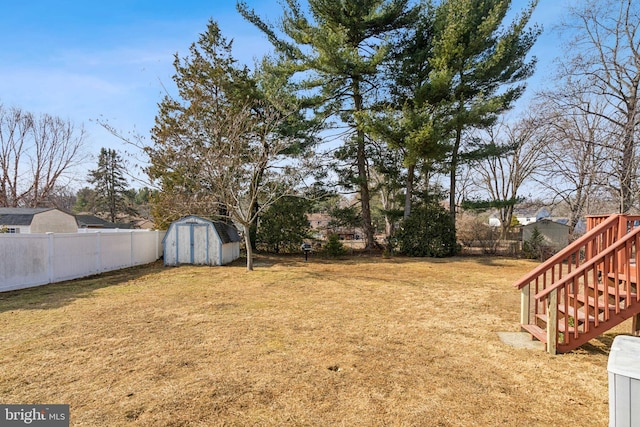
(193, 243)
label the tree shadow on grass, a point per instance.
(56, 295)
(266, 260)
(600, 345)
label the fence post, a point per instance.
(157, 245)
(525, 298)
(50, 257)
(552, 322)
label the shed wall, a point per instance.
(191, 241)
(555, 235)
(230, 252)
(53, 221)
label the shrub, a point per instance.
(472, 231)
(429, 231)
(534, 247)
(284, 226)
(334, 247)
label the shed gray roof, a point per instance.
(19, 216)
(227, 232)
(546, 221)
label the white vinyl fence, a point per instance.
(28, 260)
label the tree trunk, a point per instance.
(363, 177)
(409, 191)
(386, 206)
(452, 175)
(247, 244)
(505, 225)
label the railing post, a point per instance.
(635, 325)
(552, 322)
(525, 309)
(622, 230)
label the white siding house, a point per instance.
(195, 240)
(524, 216)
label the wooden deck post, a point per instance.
(552, 322)
(622, 230)
(525, 309)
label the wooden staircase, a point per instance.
(585, 289)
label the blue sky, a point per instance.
(85, 60)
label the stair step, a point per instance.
(561, 328)
(579, 315)
(623, 293)
(537, 332)
(591, 302)
(623, 277)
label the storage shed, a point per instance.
(195, 240)
(555, 234)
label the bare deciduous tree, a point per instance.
(607, 63)
(502, 174)
(578, 160)
(248, 172)
(36, 154)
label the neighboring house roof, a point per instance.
(144, 224)
(531, 212)
(19, 216)
(92, 221)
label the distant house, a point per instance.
(92, 221)
(524, 216)
(321, 227)
(37, 220)
(195, 240)
(319, 223)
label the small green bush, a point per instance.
(333, 247)
(534, 247)
(428, 232)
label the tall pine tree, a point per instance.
(224, 146)
(478, 65)
(337, 50)
(110, 184)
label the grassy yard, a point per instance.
(359, 342)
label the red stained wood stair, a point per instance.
(587, 288)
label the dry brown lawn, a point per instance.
(355, 342)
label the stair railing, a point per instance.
(579, 302)
(562, 263)
(603, 232)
